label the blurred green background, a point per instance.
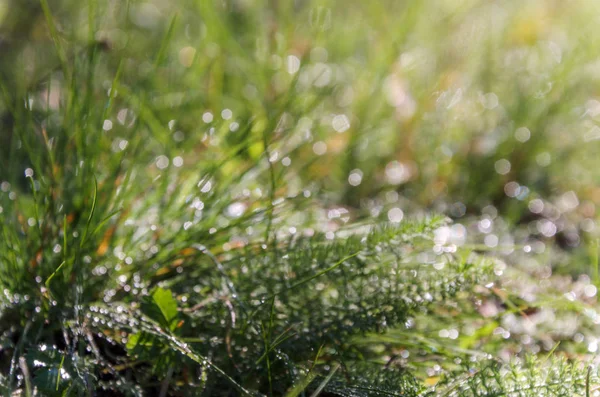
(453, 105)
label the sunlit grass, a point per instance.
(240, 198)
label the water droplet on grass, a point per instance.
(522, 134)
(355, 177)
(489, 100)
(226, 114)
(293, 64)
(502, 166)
(162, 162)
(207, 117)
(235, 210)
(395, 215)
(340, 123)
(320, 148)
(178, 161)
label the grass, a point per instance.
(298, 199)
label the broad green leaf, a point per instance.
(161, 307)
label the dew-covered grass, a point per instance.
(392, 198)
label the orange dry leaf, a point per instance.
(187, 251)
(162, 270)
(177, 262)
(37, 259)
(103, 247)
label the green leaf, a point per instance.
(162, 308)
(133, 341)
(144, 345)
(52, 370)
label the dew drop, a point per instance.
(178, 161)
(395, 215)
(340, 123)
(162, 162)
(355, 177)
(320, 148)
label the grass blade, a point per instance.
(326, 380)
(93, 209)
(62, 55)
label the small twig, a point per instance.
(164, 388)
(228, 334)
(326, 381)
(17, 350)
(199, 305)
(587, 381)
(26, 376)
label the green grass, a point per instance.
(298, 198)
